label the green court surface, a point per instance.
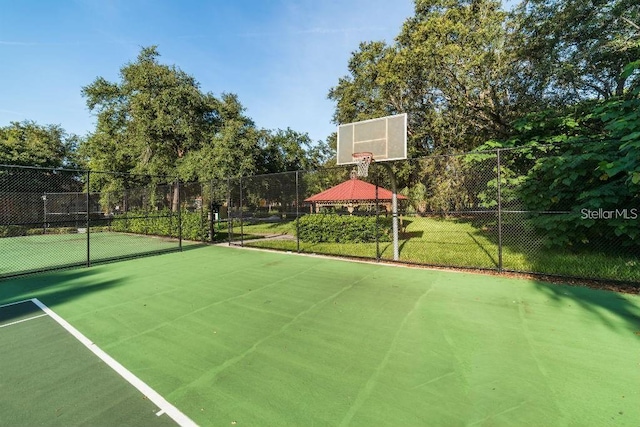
(49, 378)
(244, 337)
(33, 253)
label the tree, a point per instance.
(29, 144)
(288, 150)
(447, 70)
(583, 161)
(359, 96)
(150, 121)
(230, 148)
(575, 50)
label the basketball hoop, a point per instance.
(363, 160)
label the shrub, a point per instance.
(336, 228)
(12, 230)
(162, 223)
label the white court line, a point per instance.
(150, 393)
(23, 320)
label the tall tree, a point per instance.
(288, 150)
(30, 144)
(455, 50)
(574, 50)
(230, 148)
(150, 120)
(446, 70)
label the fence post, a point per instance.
(203, 238)
(179, 214)
(229, 219)
(377, 232)
(241, 225)
(297, 212)
(394, 210)
(44, 221)
(88, 219)
(499, 211)
(211, 205)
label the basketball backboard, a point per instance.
(385, 138)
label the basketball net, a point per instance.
(363, 160)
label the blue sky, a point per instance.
(280, 56)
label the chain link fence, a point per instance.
(481, 210)
(496, 210)
(50, 218)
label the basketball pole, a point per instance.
(394, 210)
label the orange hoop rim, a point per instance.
(362, 155)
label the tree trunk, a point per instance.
(175, 205)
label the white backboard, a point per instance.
(385, 137)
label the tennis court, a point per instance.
(24, 254)
(243, 337)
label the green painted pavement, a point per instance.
(25, 254)
(259, 338)
(47, 377)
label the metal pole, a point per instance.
(377, 221)
(88, 220)
(241, 225)
(229, 219)
(179, 215)
(44, 222)
(211, 219)
(202, 213)
(394, 211)
(499, 213)
(297, 213)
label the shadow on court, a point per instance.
(57, 287)
(601, 304)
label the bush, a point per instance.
(12, 230)
(336, 228)
(162, 223)
(51, 230)
(193, 227)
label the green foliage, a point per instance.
(29, 144)
(12, 230)
(162, 223)
(194, 227)
(336, 228)
(575, 50)
(18, 230)
(157, 121)
(150, 120)
(288, 150)
(587, 160)
(448, 70)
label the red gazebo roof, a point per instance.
(352, 190)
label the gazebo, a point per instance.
(350, 194)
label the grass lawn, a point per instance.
(462, 244)
(255, 338)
